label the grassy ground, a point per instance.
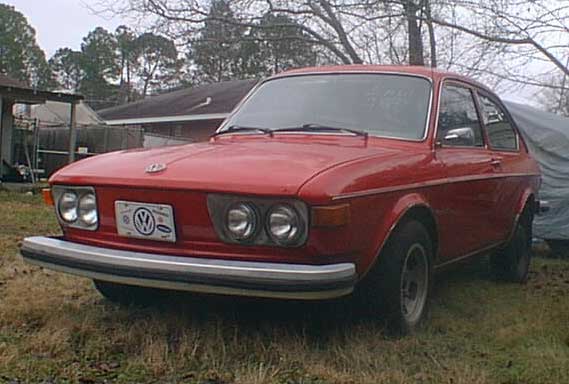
(55, 328)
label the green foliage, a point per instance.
(114, 68)
(20, 56)
(157, 63)
(226, 49)
(99, 64)
(99, 50)
(282, 45)
(110, 65)
(218, 52)
(67, 66)
(127, 61)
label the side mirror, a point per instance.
(460, 136)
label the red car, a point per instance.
(322, 181)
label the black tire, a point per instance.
(559, 248)
(127, 294)
(400, 283)
(512, 262)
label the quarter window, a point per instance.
(501, 134)
(458, 121)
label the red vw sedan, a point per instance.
(322, 182)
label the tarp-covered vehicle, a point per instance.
(547, 136)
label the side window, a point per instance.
(501, 134)
(458, 121)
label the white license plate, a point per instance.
(145, 221)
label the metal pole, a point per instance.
(72, 132)
(36, 143)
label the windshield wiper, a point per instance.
(312, 127)
(235, 128)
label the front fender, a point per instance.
(402, 206)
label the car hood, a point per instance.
(277, 165)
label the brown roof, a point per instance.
(206, 99)
(6, 81)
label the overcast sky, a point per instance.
(61, 23)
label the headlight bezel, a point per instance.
(81, 192)
(218, 205)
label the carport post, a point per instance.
(72, 132)
(6, 134)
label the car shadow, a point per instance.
(317, 320)
(467, 271)
(311, 318)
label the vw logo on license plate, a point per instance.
(144, 221)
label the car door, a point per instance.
(504, 144)
(469, 194)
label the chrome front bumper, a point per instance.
(227, 277)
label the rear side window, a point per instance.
(501, 134)
(458, 117)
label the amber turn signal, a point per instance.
(331, 216)
(47, 197)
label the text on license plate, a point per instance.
(145, 220)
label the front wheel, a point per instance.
(399, 285)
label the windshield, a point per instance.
(379, 104)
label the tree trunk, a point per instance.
(416, 56)
(145, 88)
(129, 95)
(332, 20)
(431, 29)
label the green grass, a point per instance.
(56, 328)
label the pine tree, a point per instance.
(20, 56)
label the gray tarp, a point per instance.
(547, 136)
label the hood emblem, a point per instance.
(156, 167)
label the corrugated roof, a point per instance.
(53, 113)
(211, 99)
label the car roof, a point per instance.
(428, 72)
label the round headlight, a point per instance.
(68, 207)
(284, 224)
(88, 209)
(241, 221)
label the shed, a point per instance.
(189, 113)
(15, 92)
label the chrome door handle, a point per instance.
(496, 161)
